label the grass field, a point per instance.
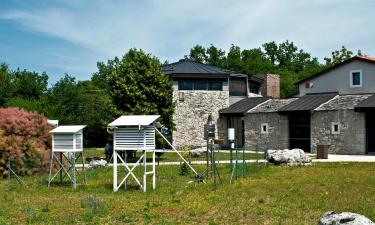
(268, 195)
(173, 157)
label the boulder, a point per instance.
(290, 157)
(97, 163)
(347, 218)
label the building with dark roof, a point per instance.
(200, 90)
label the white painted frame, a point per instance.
(333, 131)
(351, 78)
(262, 125)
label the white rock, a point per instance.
(97, 163)
(347, 218)
(290, 157)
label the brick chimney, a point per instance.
(271, 86)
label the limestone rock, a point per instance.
(347, 218)
(290, 157)
(97, 163)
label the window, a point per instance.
(203, 85)
(237, 86)
(335, 128)
(264, 128)
(355, 78)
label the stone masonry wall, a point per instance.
(277, 136)
(352, 137)
(192, 113)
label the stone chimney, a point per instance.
(271, 86)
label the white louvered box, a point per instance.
(134, 132)
(67, 138)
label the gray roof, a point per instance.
(188, 66)
(244, 105)
(272, 105)
(367, 104)
(343, 102)
(307, 103)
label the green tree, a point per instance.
(198, 54)
(82, 102)
(28, 85)
(338, 56)
(137, 85)
(4, 84)
(215, 57)
(234, 61)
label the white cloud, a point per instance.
(168, 29)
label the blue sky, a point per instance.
(70, 36)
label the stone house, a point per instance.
(200, 90)
(334, 107)
(265, 127)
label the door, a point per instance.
(299, 131)
(238, 124)
(370, 132)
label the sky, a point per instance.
(71, 36)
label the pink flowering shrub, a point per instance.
(25, 139)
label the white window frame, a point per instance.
(333, 128)
(351, 78)
(261, 128)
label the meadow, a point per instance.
(267, 195)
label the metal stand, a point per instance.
(10, 171)
(214, 170)
(69, 170)
(238, 169)
(130, 171)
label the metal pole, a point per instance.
(50, 169)
(207, 158)
(154, 171)
(9, 174)
(213, 164)
(126, 161)
(84, 171)
(61, 161)
(114, 170)
(145, 171)
(74, 170)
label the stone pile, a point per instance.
(347, 218)
(291, 157)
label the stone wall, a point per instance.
(352, 136)
(192, 113)
(278, 131)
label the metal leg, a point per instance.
(60, 165)
(115, 171)
(9, 175)
(74, 170)
(126, 161)
(145, 171)
(50, 170)
(154, 171)
(83, 169)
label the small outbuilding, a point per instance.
(265, 127)
(67, 147)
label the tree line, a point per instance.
(135, 84)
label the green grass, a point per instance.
(268, 195)
(173, 157)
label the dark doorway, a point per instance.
(237, 122)
(300, 130)
(370, 132)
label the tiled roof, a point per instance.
(307, 103)
(272, 105)
(367, 104)
(244, 105)
(343, 102)
(188, 66)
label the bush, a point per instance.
(25, 139)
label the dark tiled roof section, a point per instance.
(272, 106)
(307, 103)
(244, 105)
(188, 66)
(367, 104)
(343, 102)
